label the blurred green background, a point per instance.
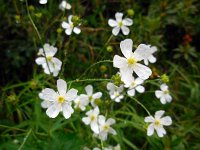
(172, 26)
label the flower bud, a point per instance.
(117, 79)
(76, 20)
(59, 30)
(103, 68)
(164, 78)
(109, 48)
(130, 12)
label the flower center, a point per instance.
(106, 127)
(60, 99)
(133, 84)
(131, 61)
(120, 23)
(92, 117)
(49, 58)
(90, 98)
(157, 122)
(71, 25)
(166, 92)
(117, 94)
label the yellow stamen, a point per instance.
(60, 99)
(105, 127)
(131, 61)
(166, 92)
(49, 58)
(92, 117)
(157, 122)
(120, 23)
(71, 25)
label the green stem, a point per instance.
(25, 139)
(39, 36)
(85, 80)
(141, 105)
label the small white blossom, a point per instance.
(81, 102)
(64, 5)
(105, 127)
(92, 119)
(129, 63)
(44, 103)
(163, 94)
(134, 85)
(120, 23)
(157, 123)
(69, 26)
(60, 101)
(151, 58)
(115, 92)
(54, 64)
(43, 1)
(92, 96)
(117, 147)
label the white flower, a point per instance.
(105, 127)
(64, 5)
(60, 101)
(81, 102)
(129, 63)
(92, 119)
(92, 96)
(134, 85)
(120, 23)
(69, 27)
(157, 123)
(115, 92)
(43, 1)
(54, 64)
(163, 95)
(151, 58)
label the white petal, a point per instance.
(152, 59)
(89, 90)
(53, 110)
(142, 52)
(77, 30)
(146, 62)
(139, 81)
(112, 23)
(115, 31)
(49, 94)
(68, 31)
(163, 87)
(140, 89)
(67, 110)
(126, 74)
(86, 120)
(150, 130)
(118, 16)
(112, 131)
(97, 95)
(70, 19)
(101, 119)
(119, 62)
(71, 94)
(159, 114)
(103, 136)
(167, 121)
(126, 47)
(45, 104)
(110, 86)
(110, 121)
(40, 60)
(43, 1)
(149, 119)
(96, 110)
(142, 71)
(160, 131)
(125, 30)
(131, 92)
(68, 6)
(94, 126)
(127, 22)
(158, 93)
(163, 100)
(65, 25)
(168, 98)
(57, 63)
(61, 86)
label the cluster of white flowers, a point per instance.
(66, 100)
(98, 124)
(117, 147)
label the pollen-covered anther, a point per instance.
(157, 122)
(61, 99)
(131, 61)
